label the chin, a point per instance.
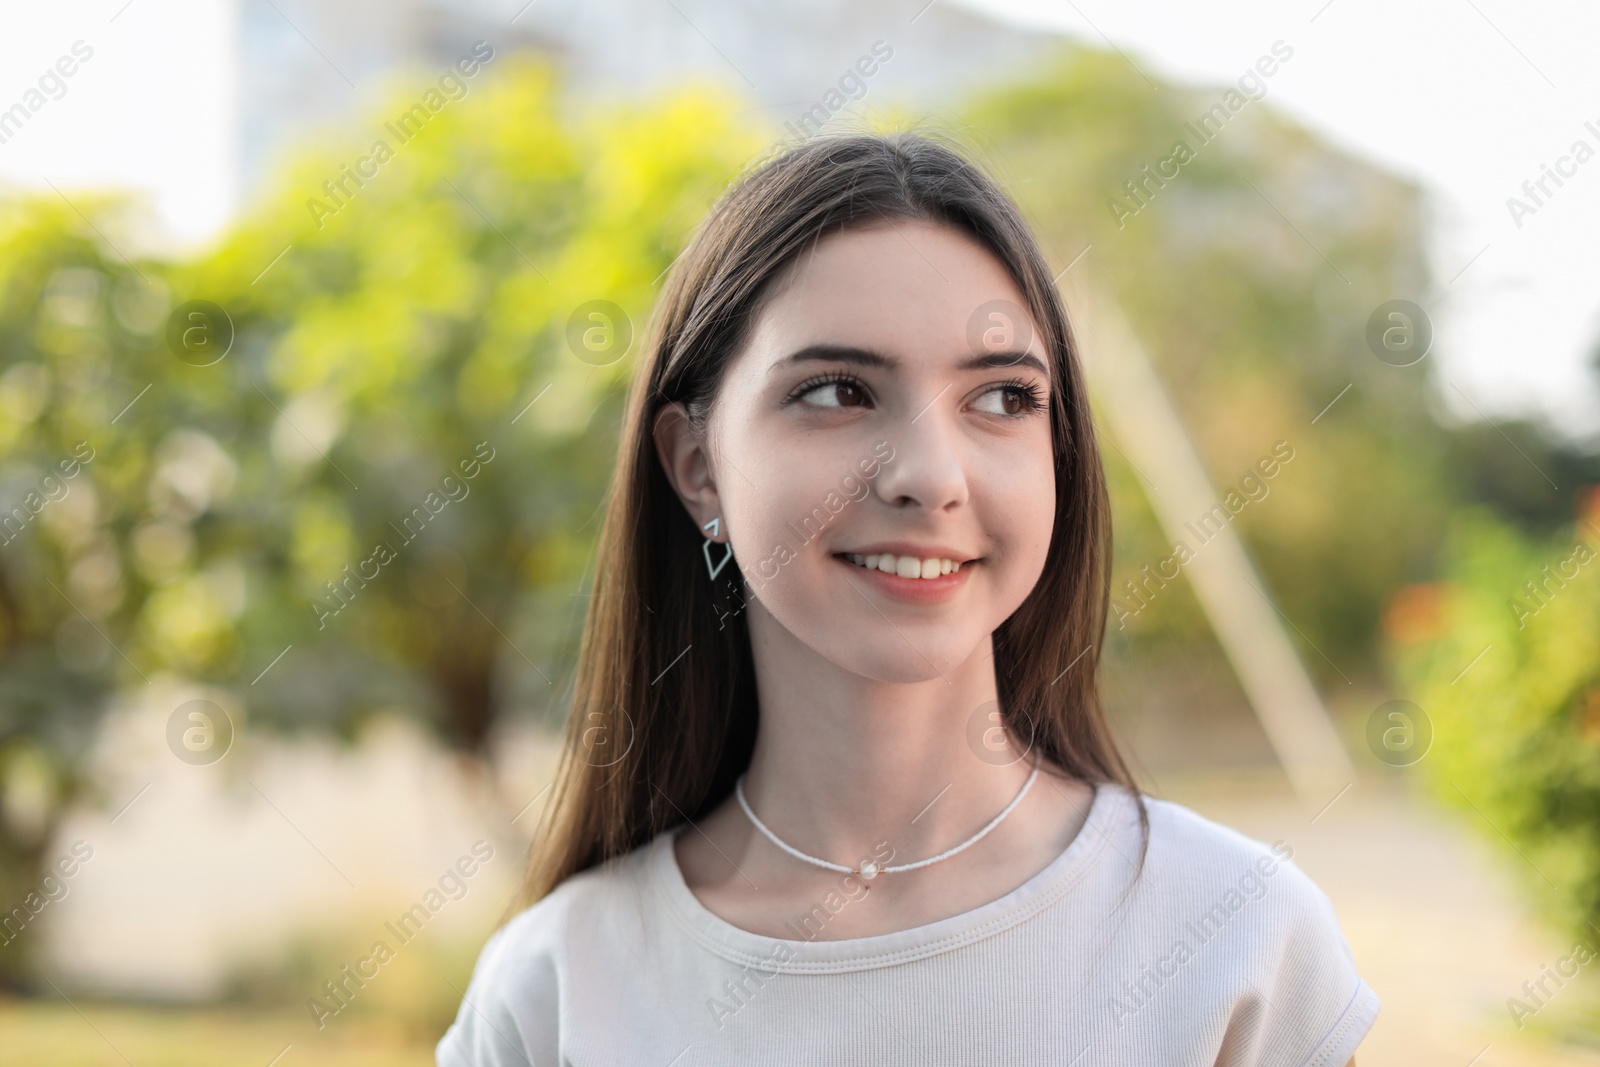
(879, 653)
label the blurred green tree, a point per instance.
(415, 528)
(76, 347)
(1502, 654)
(380, 451)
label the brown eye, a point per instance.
(1017, 399)
(836, 394)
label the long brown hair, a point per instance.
(664, 709)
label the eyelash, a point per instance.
(1032, 398)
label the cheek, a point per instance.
(1017, 503)
(777, 509)
(786, 514)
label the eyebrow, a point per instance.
(866, 357)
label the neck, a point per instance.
(843, 762)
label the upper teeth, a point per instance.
(905, 566)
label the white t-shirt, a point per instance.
(1220, 952)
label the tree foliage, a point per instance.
(377, 448)
(1502, 656)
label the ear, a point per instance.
(686, 461)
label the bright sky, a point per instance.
(1471, 98)
(154, 107)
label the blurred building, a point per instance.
(305, 65)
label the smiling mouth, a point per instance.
(905, 566)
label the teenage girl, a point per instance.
(838, 787)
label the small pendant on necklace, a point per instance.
(868, 870)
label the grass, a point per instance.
(91, 1034)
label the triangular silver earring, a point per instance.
(714, 526)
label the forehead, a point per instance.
(909, 287)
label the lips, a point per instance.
(946, 576)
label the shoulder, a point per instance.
(1269, 938)
(1195, 856)
(511, 1009)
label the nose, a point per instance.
(927, 470)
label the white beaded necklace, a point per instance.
(870, 869)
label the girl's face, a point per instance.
(891, 400)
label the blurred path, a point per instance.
(212, 865)
(1432, 912)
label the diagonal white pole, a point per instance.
(1148, 429)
